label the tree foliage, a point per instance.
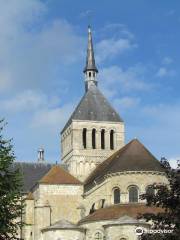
(11, 203)
(166, 197)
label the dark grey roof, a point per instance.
(31, 172)
(132, 157)
(95, 107)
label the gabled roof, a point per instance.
(120, 210)
(132, 157)
(58, 175)
(94, 107)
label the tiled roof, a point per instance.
(132, 157)
(57, 175)
(95, 107)
(120, 210)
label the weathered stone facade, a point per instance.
(81, 161)
(105, 204)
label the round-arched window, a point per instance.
(133, 194)
(98, 236)
(94, 138)
(116, 194)
(112, 139)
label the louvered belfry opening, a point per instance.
(84, 137)
(102, 139)
(94, 138)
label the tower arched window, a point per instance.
(116, 194)
(112, 139)
(133, 194)
(102, 139)
(84, 137)
(150, 190)
(89, 74)
(94, 138)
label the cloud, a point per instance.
(33, 51)
(164, 72)
(173, 161)
(52, 118)
(167, 60)
(126, 102)
(121, 40)
(118, 80)
(28, 100)
(109, 48)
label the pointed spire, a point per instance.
(90, 69)
(90, 60)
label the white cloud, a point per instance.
(53, 118)
(119, 80)
(27, 101)
(31, 50)
(173, 161)
(109, 48)
(167, 60)
(164, 72)
(126, 102)
(121, 40)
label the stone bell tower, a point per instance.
(95, 130)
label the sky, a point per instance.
(42, 56)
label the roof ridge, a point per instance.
(110, 159)
(127, 158)
(47, 178)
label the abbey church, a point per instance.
(93, 194)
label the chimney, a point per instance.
(41, 155)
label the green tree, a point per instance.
(11, 203)
(166, 197)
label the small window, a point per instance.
(98, 236)
(116, 196)
(94, 138)
(84, 133)
(150, 190)
(112, 139)
(89, 74)
(133, 194)
(102, 139)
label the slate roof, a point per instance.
(132, 157)
(57, 175)
(119, 210)
(94, 107)
(31, 173)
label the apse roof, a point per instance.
(94, 107)
(119, 210)
(132, 157)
